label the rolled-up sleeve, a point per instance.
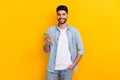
(79, 43)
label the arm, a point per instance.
(77, 59)
(80, 51)
(47, 41)
(46, 48)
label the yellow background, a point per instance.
(23, 22)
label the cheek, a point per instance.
(65, 17)
(58, 17)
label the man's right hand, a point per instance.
(47, 40)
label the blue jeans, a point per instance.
(64, 75)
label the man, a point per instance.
(63, 42)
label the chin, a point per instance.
(61, 23)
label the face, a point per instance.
(62, 16)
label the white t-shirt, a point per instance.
(63, 56)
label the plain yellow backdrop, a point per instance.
(23, 22)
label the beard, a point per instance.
(62, 20)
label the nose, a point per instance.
(61, 16)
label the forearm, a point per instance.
(78, 57)
(46, 48)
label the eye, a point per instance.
(58, 14)
(63, 14)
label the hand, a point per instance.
(71, 67)
(47, 40)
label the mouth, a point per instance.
(61, 19)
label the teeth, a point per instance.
(61, 19)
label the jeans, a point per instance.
(64, 75)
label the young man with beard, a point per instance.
(65, 46)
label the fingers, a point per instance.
(68, 67)
(47, 40)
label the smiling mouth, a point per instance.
(61, 19)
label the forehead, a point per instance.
(62, 12)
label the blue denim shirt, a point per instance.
(74, 40)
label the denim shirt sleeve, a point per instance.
(79, 43)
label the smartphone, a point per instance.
(46, 34)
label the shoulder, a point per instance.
(73, 29)
(51, 28)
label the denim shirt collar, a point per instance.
(57, 27)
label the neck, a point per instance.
(62, 26)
